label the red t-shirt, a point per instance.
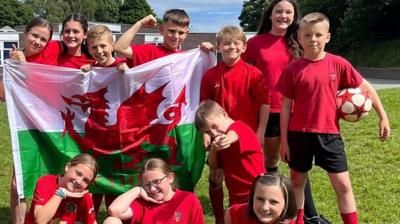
(184, 207)
(70, 210)
(239, 89)
(49, 54)
(143, 53)
(313, 85)
(271, 55)
(71, 61)
(242, 162)
(115, 64)
(240, 215)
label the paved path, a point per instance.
(384, 83)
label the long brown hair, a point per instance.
(265, 26)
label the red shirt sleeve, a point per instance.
(205, 88)
(42, 192)
(259, 88)
(285, 84)
(197, 216)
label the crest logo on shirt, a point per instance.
(217, 85)
(177, 217)
(333, 77)
(71, 207)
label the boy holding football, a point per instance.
(312, 129)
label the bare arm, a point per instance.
(228, 219)
(384, 126)
(120, 207)
(262, 122)
(122, 46)
(43, 214)
(284, 124)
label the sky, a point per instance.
(205, 15)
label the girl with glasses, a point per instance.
(156, 200)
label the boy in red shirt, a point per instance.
(100, 46)
(312, 129)
(174, 30)
(234, 147)
(241, 90)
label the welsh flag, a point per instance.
(120, 118)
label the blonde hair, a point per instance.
(159, 165)
(205, 110)
(313, 18)
(99, 31)
(87, 160)
(232, 33)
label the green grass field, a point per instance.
(374, 169)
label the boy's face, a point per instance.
(173, 34)
(231, 49)
(216, 125)
(101, 50)
(313, 38)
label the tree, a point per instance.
(251, 14)
(13, 13)
(107, 11)
(53, 10)
(132, 11)
(83, 7)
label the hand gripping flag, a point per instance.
(120, 118)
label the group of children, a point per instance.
(270, 98)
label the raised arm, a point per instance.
(123, 45)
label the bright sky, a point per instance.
(205, 15)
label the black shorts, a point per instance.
(328, 150)
(273, 127)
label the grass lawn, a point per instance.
(374, 169)
(382, 54)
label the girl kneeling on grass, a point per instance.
(156, 200)
(65, 198)
(271, 201)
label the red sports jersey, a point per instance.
(240, 90)
(115, 64)
(184, 207)
(313, 85)
(70, 210)
(49, 54)
(242, 162)
(240, 215)
(71, 61)
(271, 55)
(143, 53)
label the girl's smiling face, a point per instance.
(157, 184)
(73, 34)
(76, 178)
(269, 203)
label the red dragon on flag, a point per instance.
(121, 119)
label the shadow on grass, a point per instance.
(5, 216)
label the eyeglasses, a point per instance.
(153, 183)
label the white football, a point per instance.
(353, 104)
